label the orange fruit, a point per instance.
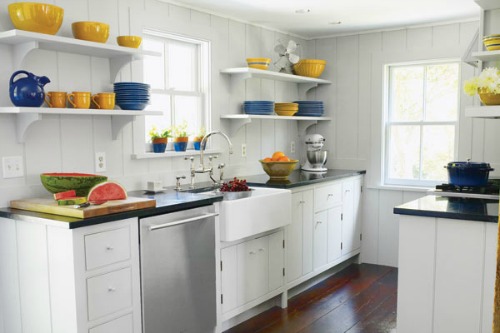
(284, 159)
(277, 155)
(268, 159)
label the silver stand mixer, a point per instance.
(316, 156)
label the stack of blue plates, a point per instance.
(310, 108)
(258, 107)
(132, 95)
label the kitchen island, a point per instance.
(447, 260)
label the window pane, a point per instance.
(188, 108)
(404, 152)
(438, 144)
(441, 98)
(154, 67)
(161, 102)
(182, 66)
(406, 93)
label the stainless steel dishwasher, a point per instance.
(178, 271)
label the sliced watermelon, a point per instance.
(71, 201)
(65, 194)
(107, 191)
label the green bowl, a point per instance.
(80, 182)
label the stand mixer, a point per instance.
(316, 157)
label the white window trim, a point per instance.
(385, 180)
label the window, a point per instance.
(421, 122)
(179, 81)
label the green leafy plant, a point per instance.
(154, 133)
(487, 82)
(201, 133)
(180, 131)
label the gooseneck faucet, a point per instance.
(203, 145)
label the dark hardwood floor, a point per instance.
(358, 299)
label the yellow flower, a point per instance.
(487, 82)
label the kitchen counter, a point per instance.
(302, 178)
(472, 209)
(166, 202)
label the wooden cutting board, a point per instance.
(50, 206)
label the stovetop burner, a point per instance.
(490, 191)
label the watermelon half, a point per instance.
(107, 191)
(80, 182)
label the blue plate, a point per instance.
(308, 114)
(138, 84)
(309, 102)
(132, 106)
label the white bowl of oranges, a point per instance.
(279, 166)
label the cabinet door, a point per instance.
(307, 231)
(294, 233)
(350, 235)
(276, 260)
(253, 269)
(229, 277)
(320, 247)
(334, 233)
(358, 183)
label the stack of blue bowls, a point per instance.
(258, 107)
(132, 95)
(310, 108)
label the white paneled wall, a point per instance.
(69, 143)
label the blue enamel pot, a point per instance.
(468, 173)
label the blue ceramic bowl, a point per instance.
(132, 106)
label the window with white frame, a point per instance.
(421, 123)
(179, 81)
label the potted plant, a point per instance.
(181, 136)
(159, 139)
(197, 139)
(486, 85)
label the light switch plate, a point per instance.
(12, 166)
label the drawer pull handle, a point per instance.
(302, 202)
(319, 222)
(109, 248)
(329, 195)
(111, 289)
(252, 252)
(261, 249)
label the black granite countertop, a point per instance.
(301, 178)
(472, 209)
(166, 202)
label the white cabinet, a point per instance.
(351, 228)
(334, 233)
(320, 240)
(250, 271)
(70, 280)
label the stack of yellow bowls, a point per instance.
(492, 42)
(310, 67)
(286, 109)
(259, 63)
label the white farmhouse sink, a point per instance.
(266, 209)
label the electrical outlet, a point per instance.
(100, 162)
(12, 166)
(243, 150)
(292, 147)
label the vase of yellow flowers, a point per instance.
(181, 137)
(159, 139)
(486, 85)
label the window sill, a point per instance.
(172, 153)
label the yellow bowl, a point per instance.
(492, 43)
(310, 67)
(278, 170)
(91, 31)
(129, 41)
(288, 113)
(36, 17)
(259, 63)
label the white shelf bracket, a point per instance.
(117, 63)
(23, 121)
(303, 125)
(473, 46)
(304, 88)
(21, 51)
(236, 124)
(118, 123)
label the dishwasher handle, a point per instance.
(192, 219)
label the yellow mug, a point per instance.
(56, 99)
(79, 99)
(104, 100)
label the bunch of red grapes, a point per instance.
(235, 185)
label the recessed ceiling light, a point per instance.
(335, 22)
(302, 11)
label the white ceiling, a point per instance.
(356, 15)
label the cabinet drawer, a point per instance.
(327, 196)
(109, 293)
(120, 325)
(107, 247)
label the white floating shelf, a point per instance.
(24, 42)
(240, 120)
(487, 55)
(488, 4)
(25, 116)
(487, 112)
(171, 153)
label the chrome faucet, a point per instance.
(203, 145)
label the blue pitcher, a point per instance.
(27, 91)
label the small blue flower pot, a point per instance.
(196, 145)
(180, 146)
(159, 147)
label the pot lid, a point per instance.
(468, 164)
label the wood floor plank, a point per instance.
(350, 288)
